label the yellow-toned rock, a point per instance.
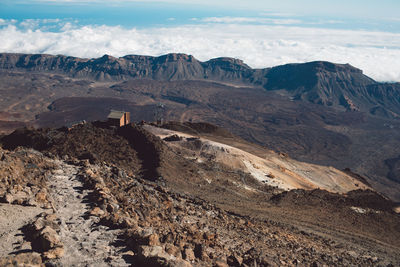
(97, 212)
(55, 253)
(41, 197)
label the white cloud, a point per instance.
(30, 23)
(277, 14)
(377, 53)
(5, 22)
(251, 20)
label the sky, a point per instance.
(262, 33)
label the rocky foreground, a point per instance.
(65, 203)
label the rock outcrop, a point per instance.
(23, 176)
(43, 234)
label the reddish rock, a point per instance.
(153, 240)
(97, 212)
(55, 253)
(49, 239)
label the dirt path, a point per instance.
(86, 243)
(12, 218)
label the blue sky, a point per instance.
(350, 14)
(263, 33)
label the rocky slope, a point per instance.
(126, 197)
(338, 85)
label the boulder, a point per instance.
(173, 250)
(97, 212)
(188, 254)
(145, 236)
(152, 240)
(8, 198)
(153, 251)
(157, 256)
(49, 239)
(41, 197)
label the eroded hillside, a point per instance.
(268, 167)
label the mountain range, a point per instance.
(339, 85)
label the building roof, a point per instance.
(116, 114)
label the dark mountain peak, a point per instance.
(105, 58)
(332, 67)
(311, 68)
(230, 70)
(136, 57)
(173, 57)
(106, 62)
(227, 62)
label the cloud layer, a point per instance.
(376, 53)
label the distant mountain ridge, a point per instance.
(325, 83)
(169, 67)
